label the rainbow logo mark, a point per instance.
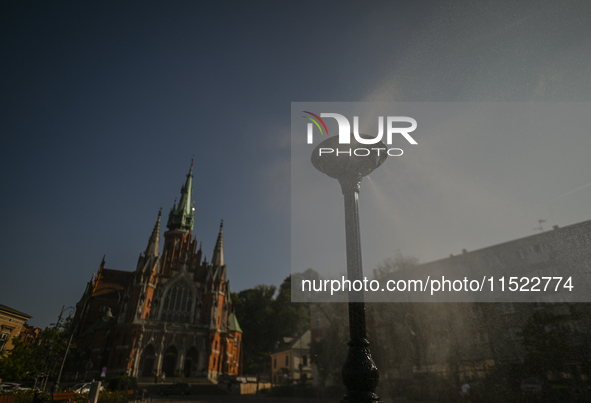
(316, 123)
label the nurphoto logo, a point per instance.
(393, 127)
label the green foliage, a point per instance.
(112, 397)
(123, 383)
(265, 319)
(254, 314)
(398, 262)
(19, 362)
(290, 319)
(329, 351)
(26, 360)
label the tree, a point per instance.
(398, 262)
(27, 360)
(328, 351)
(290, 319)
(254, 313)
(265, 319)
(18, 363)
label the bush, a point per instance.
(112, 397)
(123, 382)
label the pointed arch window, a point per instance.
(177, 304)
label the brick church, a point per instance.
(172, 315)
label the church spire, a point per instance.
(182, 215)
(154, 242)
(218, 251)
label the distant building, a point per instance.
(472, 340)
(11, 323)
(172, 315)
(29, 333)
(290, 361)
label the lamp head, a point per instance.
(108, 315)
(347, 162)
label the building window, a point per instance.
(3, 340)
(305, 360)
(287, 360)
(177, 304)
(275, 363)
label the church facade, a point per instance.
(172, 315)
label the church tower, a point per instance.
(172, 314)
(180, 247)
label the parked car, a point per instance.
(176, 389)
(13, 386)
(82, 388)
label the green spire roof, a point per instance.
(233, 325)
(182, 215)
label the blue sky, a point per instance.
(104, 104)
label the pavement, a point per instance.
(238, 399)
(253, 399)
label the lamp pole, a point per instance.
(106, 317)
(360, 374)
(56, 386)
(57, 324)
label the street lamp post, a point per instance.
(57, 324)
(106, 317)
(360, 374)
(56, 386)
